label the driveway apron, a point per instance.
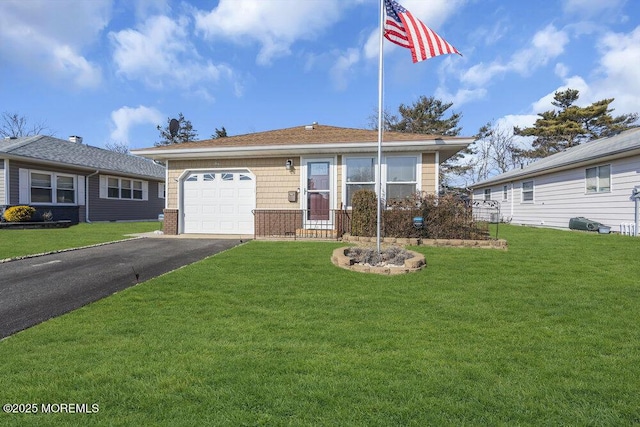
(36, 289)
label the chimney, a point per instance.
(75, 138)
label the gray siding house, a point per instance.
(595, 180)
(78, 182)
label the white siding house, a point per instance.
(594, 180)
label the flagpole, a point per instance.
(380, 125)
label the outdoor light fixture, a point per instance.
(288, 164)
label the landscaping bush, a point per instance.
(19, 213)
(397, 219)
(364, 213)
(445, 217)
(448, 217)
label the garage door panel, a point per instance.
(191, 193)
(228, 193)
(227, 209)
(209, 193)
(246, 193)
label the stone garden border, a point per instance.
(416, 263)
(494, 244)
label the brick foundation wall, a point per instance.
(277, 222)
(170, 226)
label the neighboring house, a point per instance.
(301, 174)
(593, 180)
(77, 182)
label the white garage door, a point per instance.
(219, 202)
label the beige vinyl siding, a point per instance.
(273, 181)
(428, 183)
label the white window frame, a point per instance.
(54, 188)
(487, 194)
(384, 173)
(528, 191)
(142, 188)
(162, 190)
(418, 173)
(598, 188)
(505, 192)
(345, 175)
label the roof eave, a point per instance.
(59, 165)
(558, 168)
(304, 149)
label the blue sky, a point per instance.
(111, 70)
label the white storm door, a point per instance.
(317, 200)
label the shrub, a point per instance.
(445, 217)
(397, 219)
(19, 213)
(364, 213)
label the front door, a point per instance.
(317, 201)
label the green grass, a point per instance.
(14, 243)
(270, 333)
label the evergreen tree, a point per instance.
(185, 133)
(570, 125)
(220, 133)
(427, 116)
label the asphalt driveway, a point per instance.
(36, 289)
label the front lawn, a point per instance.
(271, 333)
(15, 242)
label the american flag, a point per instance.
(403, 29)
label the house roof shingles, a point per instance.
(48, 149)
(599, 149)
(302, 139)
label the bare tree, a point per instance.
(16, 125)
(118, 147)
(494, 151)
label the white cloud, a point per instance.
(519, 120)
(620, 79)
(592, 8)
(461, 97)
(160, 54)
(125, 118)
(573, 82)
(31, 37)
(545, 45)
(343, 68)
(615, 78)
(275, 25)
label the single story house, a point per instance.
(77, 182)
(594, 180)
(301, 176)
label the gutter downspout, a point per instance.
(86, 196)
